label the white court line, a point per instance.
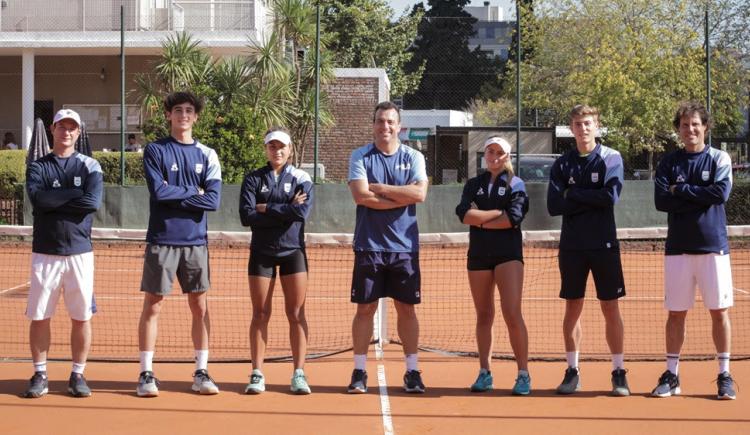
(385, 404)
(742, 291)
(14, 288)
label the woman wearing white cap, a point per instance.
(494, 203)
(275, 201)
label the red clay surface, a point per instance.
(446, 408)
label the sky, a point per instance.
(399, 5)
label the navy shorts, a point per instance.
(265, 265)
(489, 263)
(386, 274)
(605, 266)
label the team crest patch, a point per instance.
(174, 167)
(287, 187)
(480, 191)
(77, 181)
(501, 190)
(198, 168)
(705, 175)
(56, 183)
(594, 177)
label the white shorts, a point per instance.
(71, 275)
(712, 273)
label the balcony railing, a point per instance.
(139, 15)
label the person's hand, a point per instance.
(299, 198)
(201, 191)
(672, 188)
(376, 188)
(260, 208)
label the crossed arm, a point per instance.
(385, 196)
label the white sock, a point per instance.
(572, 358)
(360, 361)
(40, 366)
(147, 361)
(483, 370)
(673, 363)
(618, 360)
(523, 373)
(411, 362)
(78, 367)
(201, 359)
(723, 358)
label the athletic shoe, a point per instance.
(669, 385)
(620, 383)
(77, 386)
(299, 383)
(483, 382)
(38, 385)
(148, 385)
(359, 382)
(413, 382)
(571, 382)
(726, 386)
(203, 384)
(257, 383)
(522, 387)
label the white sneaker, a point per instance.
(148, 385)
(203, 384)
(257, 383)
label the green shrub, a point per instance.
(12, 172)
(110, 163)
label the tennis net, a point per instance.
(447, 316)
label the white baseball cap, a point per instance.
(278, 135)
(66, 114)
(500, 141)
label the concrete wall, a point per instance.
(334, 211)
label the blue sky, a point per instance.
(400, 5)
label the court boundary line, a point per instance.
(2, 292)
(385, 403)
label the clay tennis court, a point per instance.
(447, 325)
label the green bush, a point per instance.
(12, 172)
(738, 206)
(110, 163)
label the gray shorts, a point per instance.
(162, 262)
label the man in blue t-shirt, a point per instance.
(184, 181)
(386, 180)
(692, 185)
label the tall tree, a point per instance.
(634, 59)
(454, 75)
(364, 34)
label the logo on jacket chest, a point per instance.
(77, 181)
(403, 166)
(263, 189)
(174, 167)
(501, 191)
(56, 183)
(198, 168)
(705, 175)
(287, 187)
(594, 177)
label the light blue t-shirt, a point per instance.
(392, 230)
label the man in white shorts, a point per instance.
(692, 184)
(65, 189)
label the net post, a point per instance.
(380, 323)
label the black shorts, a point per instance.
(489, 263)
(386, 274)
(605, 266)
(265, 265)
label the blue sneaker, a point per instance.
(522, 386)
(483, 382)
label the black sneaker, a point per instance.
(77, 386)
(413, 382)
(669, 385)
(620, 383)
(38, 385)
(726, 386)
(359, 382)
(571, 382)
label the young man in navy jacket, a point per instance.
(184, 181)
(65, 189)
(692, 185)
(585, 184)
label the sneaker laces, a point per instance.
(726, 381)
(37, 376)
(569, 375)
(203, 376)
(255, 378)
(148, 377)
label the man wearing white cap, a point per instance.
(65, 189)
(184, 181)
(585, 184)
